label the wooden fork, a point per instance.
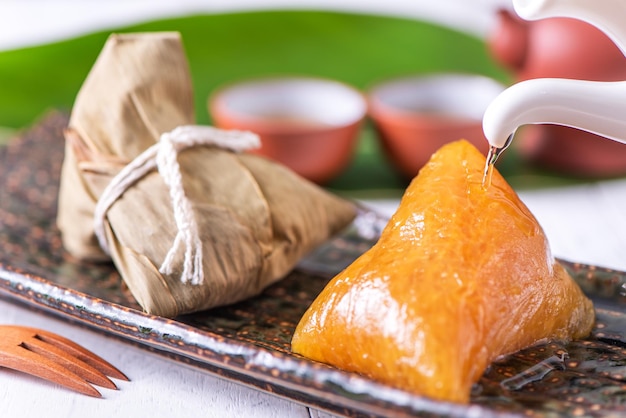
(54, 358)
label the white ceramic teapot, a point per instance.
(597, 107)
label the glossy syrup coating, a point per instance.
(461, 275)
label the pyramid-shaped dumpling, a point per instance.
(461, 275)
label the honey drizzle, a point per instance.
(492, 157)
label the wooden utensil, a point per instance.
(55, 358)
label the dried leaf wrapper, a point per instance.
(255, 218)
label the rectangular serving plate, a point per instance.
(249, 342)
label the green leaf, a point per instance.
(357, 49)
(221, 48)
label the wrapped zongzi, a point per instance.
(189, 221)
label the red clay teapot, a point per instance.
(555, 47)
(563, 48)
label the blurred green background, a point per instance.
(356, 49)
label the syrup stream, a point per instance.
(492, 157)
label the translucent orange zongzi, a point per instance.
(461, 275)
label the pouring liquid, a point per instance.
(492, 157)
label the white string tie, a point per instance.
(163, 156)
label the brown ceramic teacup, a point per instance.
(310, 125)
(415, 116)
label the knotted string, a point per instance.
(163, 156)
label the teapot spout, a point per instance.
(593, 106)
(607, 15)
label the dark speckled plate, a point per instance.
(249, 342)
